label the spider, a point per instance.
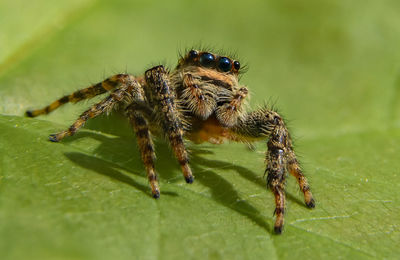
(200, 100)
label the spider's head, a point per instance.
(208, 60)
(205, 81)
(210, 70)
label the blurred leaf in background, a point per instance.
(331, 67)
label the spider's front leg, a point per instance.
(163, 99)
(280, 156)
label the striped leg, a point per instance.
(82, 94)
(158, 83)
(280, 156)
(127, 91)
(146, 148)
(276, 163)
(295, 170)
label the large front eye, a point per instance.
(225, 64)
(207, 59)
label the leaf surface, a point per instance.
(332, 69)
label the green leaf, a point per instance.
(332, 69)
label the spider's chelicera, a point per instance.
(200, 100)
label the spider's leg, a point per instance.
(265, 123)
(128, 90)
(276, 163)
(146, 147)
(163, 99)
(79, 95)
(295, 170)
(229, 113)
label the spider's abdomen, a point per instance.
(209, 130)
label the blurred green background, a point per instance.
(332, 68)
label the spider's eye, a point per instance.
(193, 54)
(236, 65)
(225, 64)
(207, 59)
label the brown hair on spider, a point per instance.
(202, 101)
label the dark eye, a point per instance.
(236, 65)
(225, 64)
(207, 59)
(193, 54)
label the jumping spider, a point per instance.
(201, 100)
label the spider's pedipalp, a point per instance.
(197, 98)
(229, 113)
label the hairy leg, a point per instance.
(163, 100)
(276, 164)
(128, 90)
(280, 156)
(146, 147)
(295, 170)
(82, 94)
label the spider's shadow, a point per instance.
(121, 153)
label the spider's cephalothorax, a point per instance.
(201, 100)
